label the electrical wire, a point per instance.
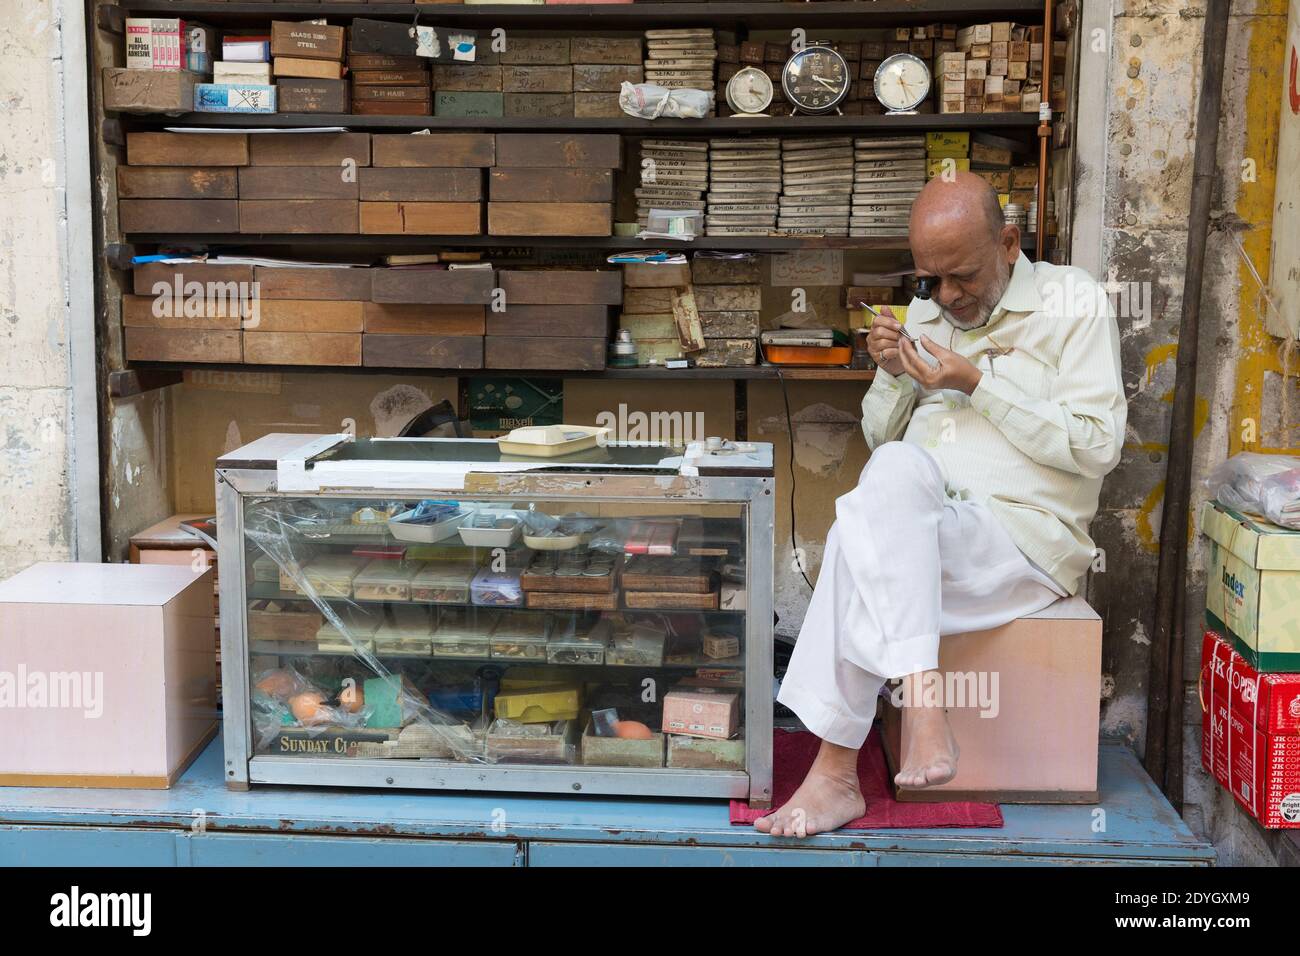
(789, 424)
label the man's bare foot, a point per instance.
(828, 798)
(932, 750)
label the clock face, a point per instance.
(902, 82)
(815, 80)
(749, 91)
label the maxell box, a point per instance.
(1250, 733)
(1252, 593)
(701, 712)
(109, 674)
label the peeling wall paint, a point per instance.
(1155, 55)
(35, 394)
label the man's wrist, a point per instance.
(973, 380)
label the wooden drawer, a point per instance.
(434, 286)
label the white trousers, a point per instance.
(903, 565)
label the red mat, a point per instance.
(792, 755)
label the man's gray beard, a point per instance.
(987, 306)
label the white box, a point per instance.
(107, 674)
(256, 74)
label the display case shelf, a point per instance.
(257, 592)
(306, 649)
(629, 16)
(625, 124)
(608, 243)
(793, 373)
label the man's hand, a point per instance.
(952, 371)
(882, 342)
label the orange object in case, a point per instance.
(807, 355)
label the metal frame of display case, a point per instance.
(243, 767)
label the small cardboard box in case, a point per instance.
(107, 674)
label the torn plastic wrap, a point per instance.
(355, 706)
(1262, 484)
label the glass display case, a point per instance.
(428, 613)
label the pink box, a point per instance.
(107, 674)
(701, 712)
(1038, 680)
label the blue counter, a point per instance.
(200, 823)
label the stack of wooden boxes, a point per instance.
(674, 174)
(426, 185)
(534, 170)
(729, 297)
(552, 318)
(994, 68)
(427, 317)
(707, 309)
(307, 60)
(681, 59)
(537, 76)
(816, 185)
(601, 65)
(469, 89)
(649, 291)
(387, 85)
(304, 184)
(888, 172)
(744, 185)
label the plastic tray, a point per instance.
(537, 441)
(807, 355)
(493, 537)
(403, 530)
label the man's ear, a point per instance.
(1010, 241)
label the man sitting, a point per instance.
(1005, 390)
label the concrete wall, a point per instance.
(1144, 168)
(43, 278)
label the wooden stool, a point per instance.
(1042, 676)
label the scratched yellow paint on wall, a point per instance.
(1259, 352)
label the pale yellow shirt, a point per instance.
(1043, 427)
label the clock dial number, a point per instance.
(816, 79)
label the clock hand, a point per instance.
(826, 83)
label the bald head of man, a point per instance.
(959, 236)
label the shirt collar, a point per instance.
(1021, 295)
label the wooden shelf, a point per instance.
(625, 124)
(609, 243)
(750, 373)
(613, 17)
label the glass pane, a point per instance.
(512, 632)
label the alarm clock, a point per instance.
(902, 82)
(815, 79)
(749, 92)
